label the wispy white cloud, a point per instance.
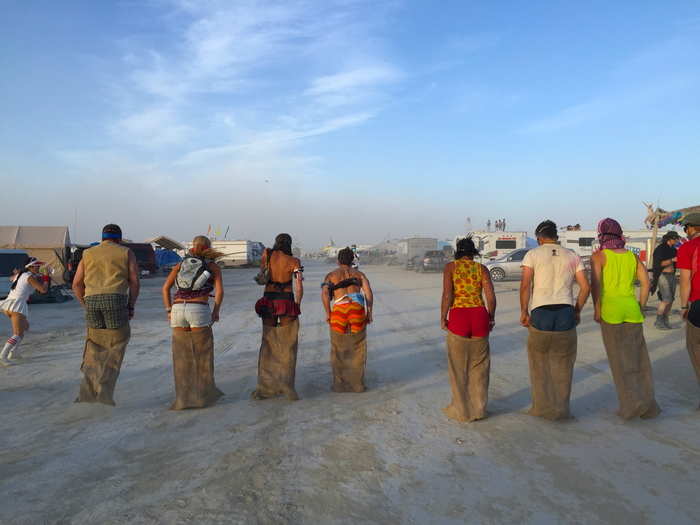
(272, 68)
(353, 79)
(158, 126)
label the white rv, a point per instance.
(493, 245)
(236, 253)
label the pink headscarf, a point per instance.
(610, 235)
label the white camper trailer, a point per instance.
(493, 245)
(585, 242)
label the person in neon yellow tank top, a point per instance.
(614, 272)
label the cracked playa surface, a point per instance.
(384, 456)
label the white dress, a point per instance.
(16, 300)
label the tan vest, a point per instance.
(106, 269)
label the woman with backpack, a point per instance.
(195, 278)
(24, 282)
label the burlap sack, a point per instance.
(469, 363)
(193, 369)
(631, 369)
(551, 357)
(692, 341)
(348, 359)
(102, 361)
(277, 361)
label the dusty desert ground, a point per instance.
(384, 456)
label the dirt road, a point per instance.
(384, 456)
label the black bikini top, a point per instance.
(345, 283)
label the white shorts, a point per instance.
(190, 315)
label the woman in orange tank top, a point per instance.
(468, 322)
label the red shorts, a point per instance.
(469, 322)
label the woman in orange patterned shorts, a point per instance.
(347, 299)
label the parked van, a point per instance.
(9, 260)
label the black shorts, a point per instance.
(694, 314)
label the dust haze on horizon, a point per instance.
(357, 121)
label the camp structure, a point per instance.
(166, 243)
(50, 244)
(658, 218)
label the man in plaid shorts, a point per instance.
(107, 285)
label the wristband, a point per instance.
(685, 307)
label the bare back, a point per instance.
(282, 267)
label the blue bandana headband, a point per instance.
(107, 235)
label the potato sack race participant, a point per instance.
(614, 272)
(468, 323)
(347, 298)
(106, 283)
(191, 319)
(549, 311)
(14, 306)
(279, 308)
(689, 264)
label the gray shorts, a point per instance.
(667, 287)
(190, 315)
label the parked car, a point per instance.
(9, 260)
(412, 263)
(432, 261)
(508, 266)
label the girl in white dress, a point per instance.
(15, 306)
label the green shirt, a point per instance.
(618, 301)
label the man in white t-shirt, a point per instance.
(548, 309)
(547, 286)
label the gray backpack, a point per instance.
(191, 276)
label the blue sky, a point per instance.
(346, 118)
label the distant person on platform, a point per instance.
(347, 298)
(195, 278)
(279, 308)
(664, 277)
(689, 265)
(614, 272)
(550, 312)
(106, 283)
(468, 320)
(14, 306)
